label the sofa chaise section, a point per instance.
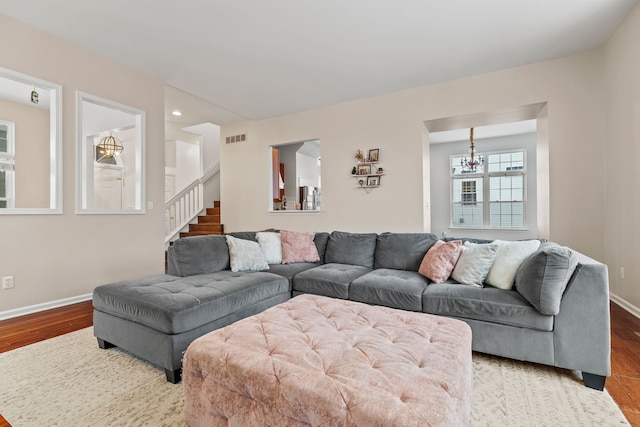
(157, 317)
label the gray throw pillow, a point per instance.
(543, 277)
(351, 248)
(402, 251)
(474, 263)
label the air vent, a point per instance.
(237, 138)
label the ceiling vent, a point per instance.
(237, 138)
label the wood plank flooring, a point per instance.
(623, 385)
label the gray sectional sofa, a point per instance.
(556, 314)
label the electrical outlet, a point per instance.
(622, 272)
(7, 282)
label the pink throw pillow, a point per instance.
(440, 260)
(298, 247)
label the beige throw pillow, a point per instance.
(509, 256)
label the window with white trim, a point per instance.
(501, 181)
(7, 164)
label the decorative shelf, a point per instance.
(365, 170)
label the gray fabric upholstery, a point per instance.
(321, 239)
(198, 255)
(402, 251)
(166, 350)
(157, 317)
(290, 270)
(331, 280)
(392, 288)
(246, 235)
(487, 304)
(531, 345)
(582, 338)
(174, 305)
(351, 248)
(543, 277)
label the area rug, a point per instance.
(68, 381)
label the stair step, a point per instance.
(209, 218)
(213, 211)
(216, 203)
(206, 227)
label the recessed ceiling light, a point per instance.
(176, 113)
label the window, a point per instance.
(7, 164)
(501, 181)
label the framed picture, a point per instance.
(374, 155)
(364, 169)
(373, 180)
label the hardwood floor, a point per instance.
(623, 385)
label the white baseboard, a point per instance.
(625, 304)
(44, 306)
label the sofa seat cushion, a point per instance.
(290, 270)
(487, 304)
(173, 305)
(392, 288)
(331, 280)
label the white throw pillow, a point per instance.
(271, 246)
(474, 263)
(509, 256)
(245, 255)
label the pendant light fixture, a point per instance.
(110, 147)
(470, 165)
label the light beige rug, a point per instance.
(69, 381)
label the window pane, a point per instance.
(3, 184)
(506, 209)
(505, 162)
(4, 145)
(467, 208)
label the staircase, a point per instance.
(207, 224)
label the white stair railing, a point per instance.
(182, 208)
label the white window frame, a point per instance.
(7, 164)
(484, 174)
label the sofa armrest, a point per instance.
(582, 332)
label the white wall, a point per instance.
(441, 190)
(210, 143)
(188, 165)
(572, 87)
(622, 142)
(56, 257)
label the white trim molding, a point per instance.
(9, 314)
(625, 304)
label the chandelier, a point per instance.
(470, 165)
(110, 147)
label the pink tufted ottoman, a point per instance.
(317, 361)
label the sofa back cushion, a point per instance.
(351, 248)
(246, 235)
(321, 239)
(198, 255)
(402, 251)
(543, 277)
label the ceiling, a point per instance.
(254, 59)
